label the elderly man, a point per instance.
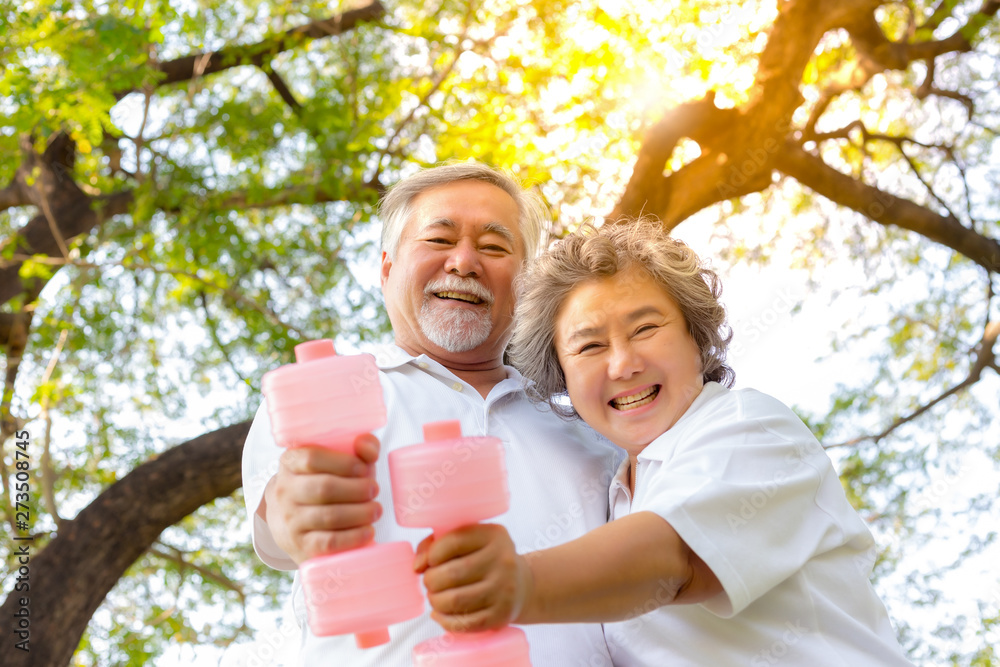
(454, 239)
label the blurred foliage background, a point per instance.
(187, 190)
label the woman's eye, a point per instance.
(645, 327)
(589, 346)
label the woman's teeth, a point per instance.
(635, 400)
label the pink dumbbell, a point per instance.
(328, 400)
(444, 483)
(506, 647)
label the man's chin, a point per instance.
(456, 332)
(456, 339)
(456, 345)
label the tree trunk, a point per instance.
(72, 575)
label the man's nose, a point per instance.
(463, 260)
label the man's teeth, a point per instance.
(460, 296)
(636, 400)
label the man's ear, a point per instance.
(386, 265)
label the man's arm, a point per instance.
(322, 501)
(475, 580)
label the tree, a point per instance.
(186, 190)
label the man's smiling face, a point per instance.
(449, 289)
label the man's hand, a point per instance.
(322, 501)
(475, 579)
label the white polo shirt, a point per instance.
(747, 486)
(558, 474)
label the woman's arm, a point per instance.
(475, 580)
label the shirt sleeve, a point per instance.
(751, 491)
(260, 463)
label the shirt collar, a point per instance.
(619, 497)
(389, 356)
(621, 475)
(662, 447)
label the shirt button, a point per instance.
(423, 364)
(457, 386)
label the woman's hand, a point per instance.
(475, 579)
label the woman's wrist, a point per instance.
(524, 592)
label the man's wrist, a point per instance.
(262, 505)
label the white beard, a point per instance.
(454, 329)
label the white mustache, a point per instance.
(456, 284)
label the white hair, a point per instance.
(394, 208)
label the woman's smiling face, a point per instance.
(631, 366)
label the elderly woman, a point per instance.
(731, 540)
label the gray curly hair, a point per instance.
(602, 252)
(394, 208)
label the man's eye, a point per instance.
(439, 240)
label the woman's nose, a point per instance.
(624, 362)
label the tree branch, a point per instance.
(229, 292)
(74, 216)
(176, 556)
(985, 358)
(78, 214)
(309, 193)
(67, 212)
(877, 53)
(436, 84)
(763, 124)
(886, 209)
(71, 576)
(849, 76)
(17, 342)
(790, 45)
(965, 100)
(12, 196)
(898, 143)
(872, 43)
(648, 190)
(202, 64)
(9, 325)
(48, 472)
(283, 90)
(213, 329)
(937, 16)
